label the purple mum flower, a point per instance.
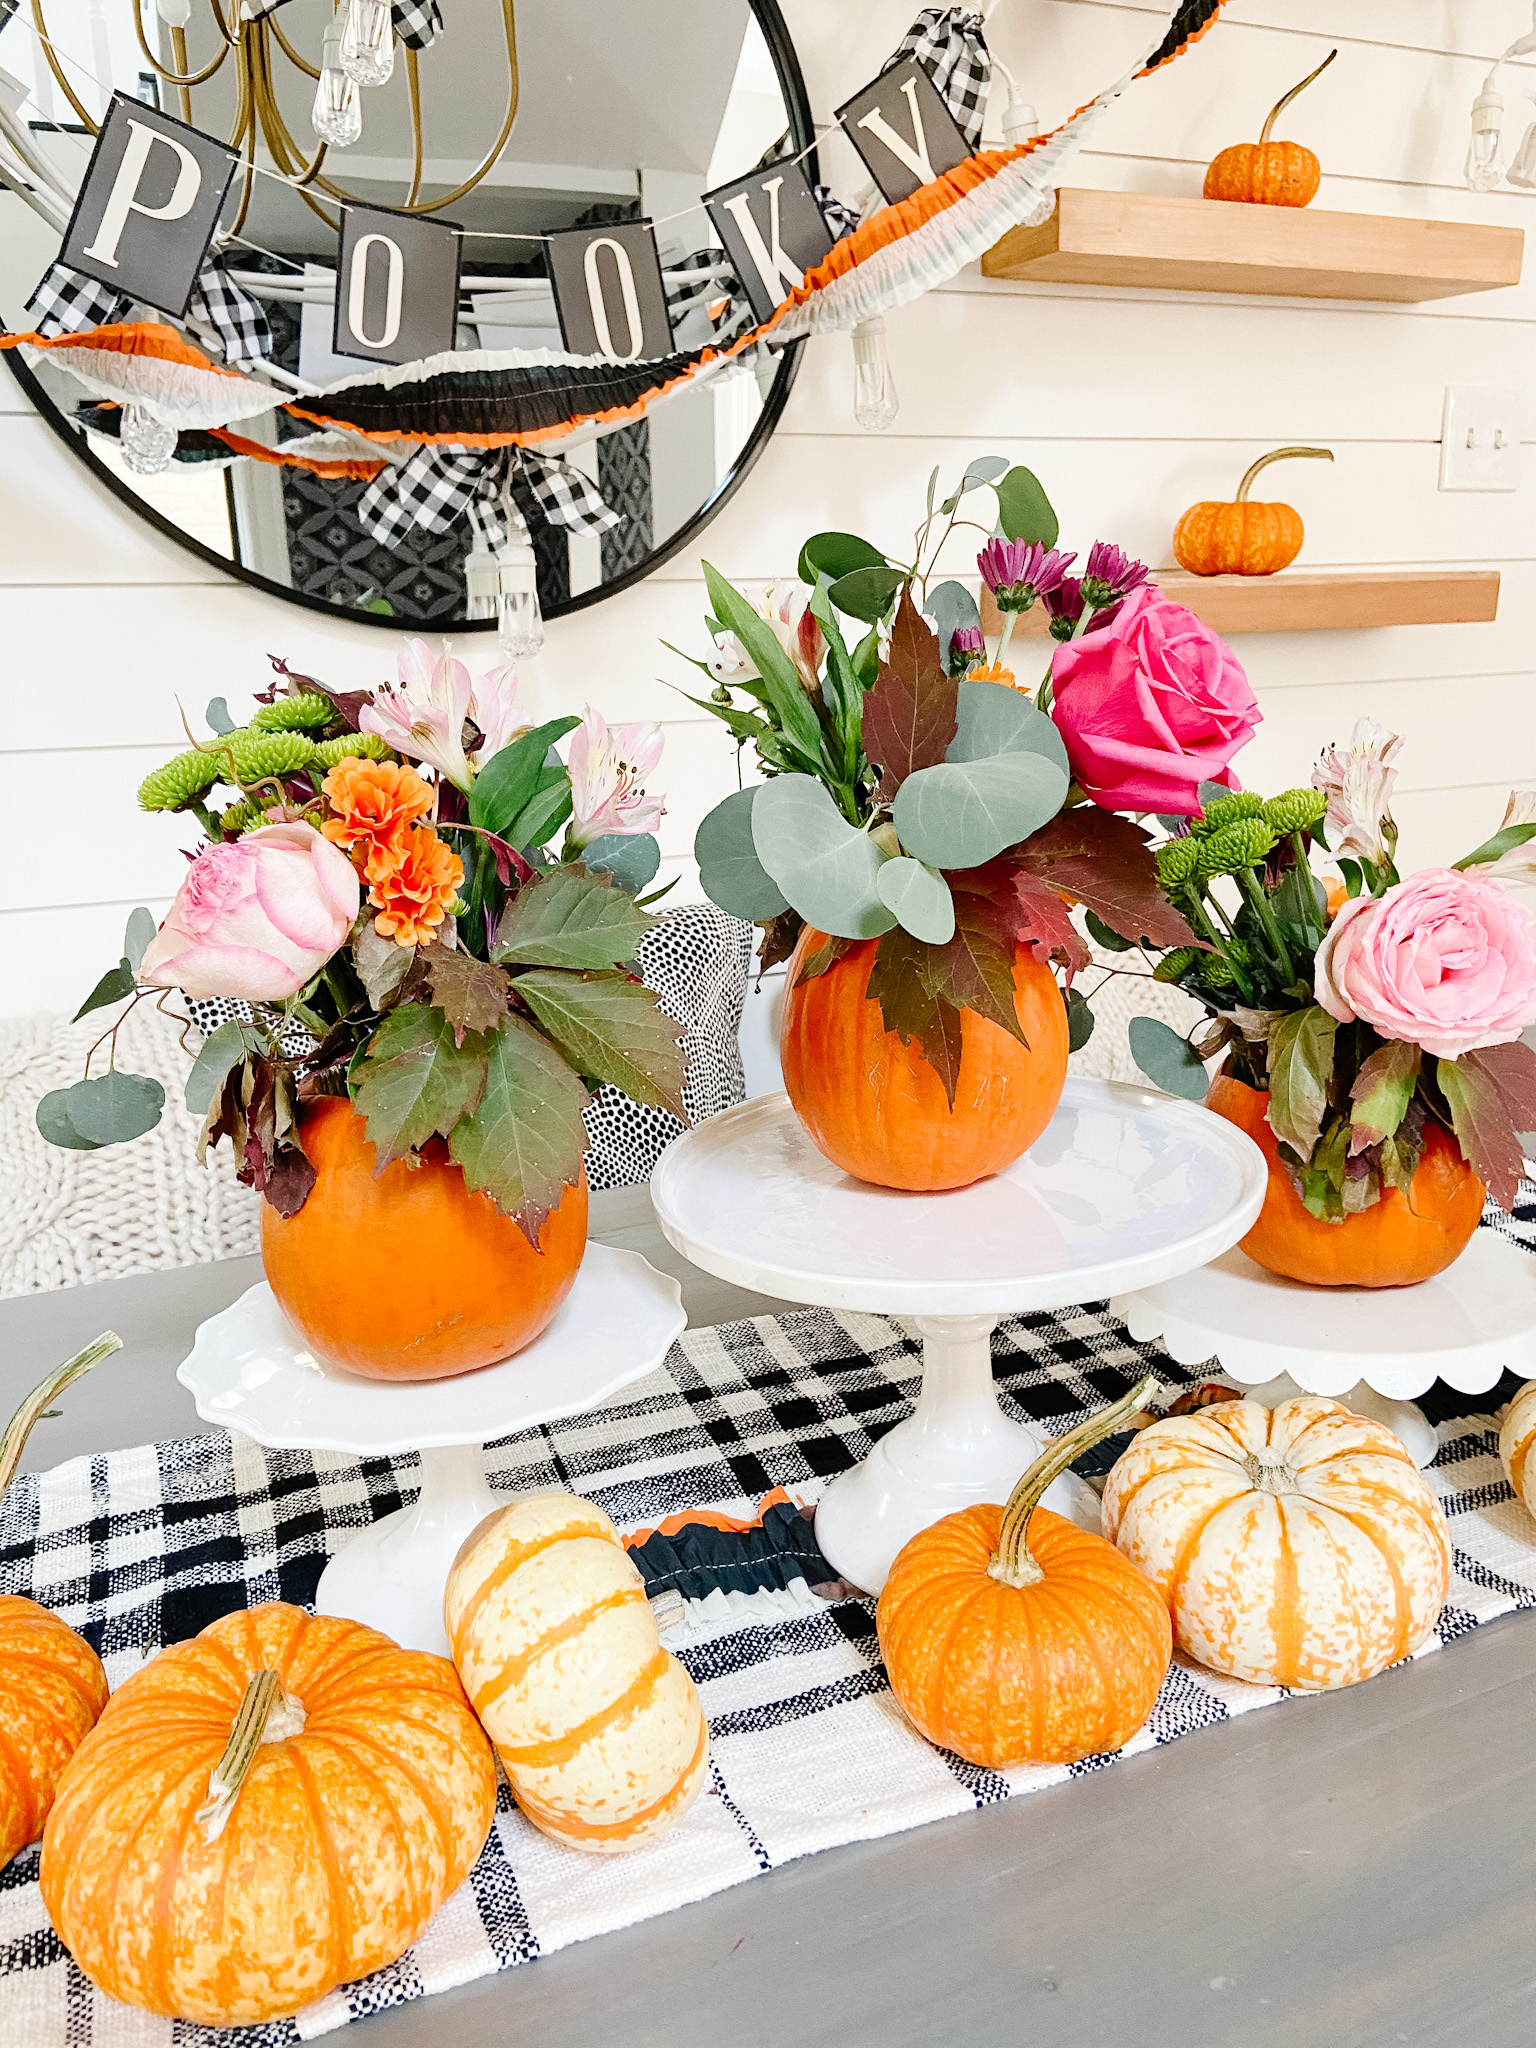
(1110, 575)
(1065, 605)
(1017, 572)
(966, 646)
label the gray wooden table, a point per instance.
(1346, 1871)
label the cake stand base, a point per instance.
(392, 1575)
(956, 1450)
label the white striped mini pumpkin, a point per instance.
(1516, 1437)
(1295, 1546)
(599, 1728)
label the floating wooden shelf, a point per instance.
(1311, 600)
(1149, 242)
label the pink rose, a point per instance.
(1151, 706)
(255, 918)
(1446, 961)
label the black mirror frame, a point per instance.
(791, 79)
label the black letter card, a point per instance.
(149, 205)
(608, 292)
(773, 231)
(903, 129)
(397, 286)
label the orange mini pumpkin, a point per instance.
(1400, 1240)
(1266, 173)
(409, 1274)
(1238, 538)
(875, 1106)
(1011, 1636)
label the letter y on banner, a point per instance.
(773, 231)
(149, 205)
(397, 286)
(904, 131)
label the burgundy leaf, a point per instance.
(826, 955)
(901, 982)
(1484, 1128)
(471, 993)
(349, 703)
(1046, 927)
(909, 715)
(781, 935)
(974, 971)
(289, 1180)
(1104, 861)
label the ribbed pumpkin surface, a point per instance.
(52, 1688)
(599, 1729)
(1515, 1441)
(1216, 538)
(1064, 1668)
(1295, 1546)
(343, 1841)
(877, 1109)
(1265, 174)
(1400, 1240)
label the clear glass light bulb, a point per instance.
(1522, 171)
(337, 117)
(520, 623)
(482, 582)
(148, 444)
(1485, 154)
(368, 42)
(875, 403)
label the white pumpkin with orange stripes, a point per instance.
(599, 1728)
(1516, 1438)
(1295, 1546)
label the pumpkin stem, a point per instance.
(1013, 1563)
(1278, 455)
(267, 1714)
(1280, 105)
(19, 1428)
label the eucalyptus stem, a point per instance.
(17, 1430)
(1258, 901)
(1013, 1564)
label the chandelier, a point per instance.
(357, 54)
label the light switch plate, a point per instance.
(1480, 438)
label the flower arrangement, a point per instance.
(916, 796)
(382, 900)
(1368, 1013)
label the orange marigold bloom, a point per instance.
(373, 804)
(991, 672)
(417, 878)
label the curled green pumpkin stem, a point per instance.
(1277, 455)
(266, 1714)
(19, 1428)
(1013, 1564)
(1280, 105)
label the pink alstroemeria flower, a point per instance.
(1357, 782)
(425, 716)
(608, 769)
(495, 710)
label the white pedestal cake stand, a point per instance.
(1124, 1188)
(1373, 1348)
(250, 1370)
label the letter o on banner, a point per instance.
(397, 286)
(634, 328)
(357, 291)
(609, 292)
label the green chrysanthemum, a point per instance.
(257, 755)
(1242, 845)
(1296, 810)
(179, 782)
(1216, 972)
(1175, 965)
(1230, 810)
(241, 817)
(308, 712)
(352, 746)
(1177, 861)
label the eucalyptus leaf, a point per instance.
(952, 609)
(1101, 935)
(113, 1108)
(217, 716)
(730, 872)
(992, 719)
(53, 1121)
(836, 554)
(961, 813)
(1024, 511)
(1211, 792)
(141, 929)
(221, 1050)
(933, 486)
(1168, 1061)
(867, 594)
(919, 899)
(825, 867)
(986, 469)
(113, 986)
(1080, 1021)
(632, 858)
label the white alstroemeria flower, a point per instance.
(495, 710)
(608, 767)
(425, 716)
(1358, 782)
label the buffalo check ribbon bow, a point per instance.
(436, 487)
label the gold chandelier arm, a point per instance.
(218, 15)
(509, 24)
(269, 21)
(179, 56)
(287, 156)
(91, 127)
(413, 93)
(180, 77)
(245, 130)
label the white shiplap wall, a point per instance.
(1129, 406)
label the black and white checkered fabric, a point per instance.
(142, 1548)
(840, 219)
(951, 46)
(65, 301)
(435, 488)
(234, 315)
(418, 22)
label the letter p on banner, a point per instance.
(773, 231)
(397, 286)
(149, 205)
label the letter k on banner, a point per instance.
(773, 231)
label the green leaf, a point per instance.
(569, 918)
(825, 867)
(1503, 841)
(836, 554)
(951, 606)
(866, 594)
(909, 716)
(381, 965)
(1301, 907)
(509, 780)
(730, 872)
(543, 815)
(742, 725)
(221, 1050)
(866, 659)
(470, 993)
(986, 469)
(1300, 1069)
(779, 676)
(113, 986)
(1354, 878)
(141, 929)
(1168, 1061)
(1024, 511)
(524, 1144)
(415, 1081)
(632, 858)
(992, 719)
(217, 717)
(1382, 1091)
(113, 1108)
(961, 813)
(53, 1121)
(919, 899)
(612, 1028)
(1102, 936)
(841, 686)
(1080, 1021)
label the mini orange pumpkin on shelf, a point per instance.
(1011, 1636)
(1266, 173)
(1239, 538)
